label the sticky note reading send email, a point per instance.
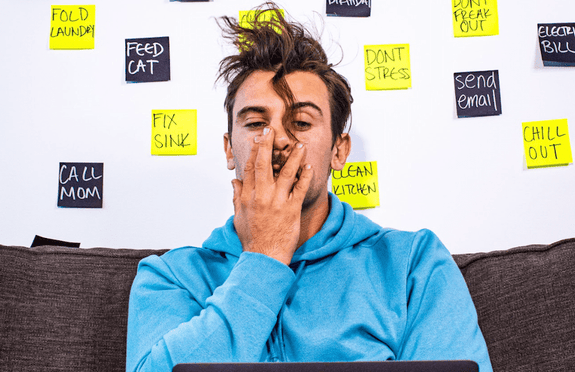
(72, 26)
(387, 67)
(174, 132)
(357, 184)
(547, 143)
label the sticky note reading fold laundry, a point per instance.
(547, 143)
(72, 26)
(387, 67)
(174, 132)
(475, 18)
(357, 184)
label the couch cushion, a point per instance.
(525, 300)
(65, 309)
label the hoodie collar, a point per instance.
(342, 228)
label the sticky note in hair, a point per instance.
(547, 143)
(174, 132)
(247, 17)
(475, 18)
(387, 67)
(72, 26)
(357, 184)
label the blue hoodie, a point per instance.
(353, 292)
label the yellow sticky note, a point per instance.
(357, 184)
(547, 143)
(72, 26)
(174, 132)
(248, 16)
(475, 18)
(387, 67)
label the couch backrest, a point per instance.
(65, 309)
(525, 300)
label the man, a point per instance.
(296, 275)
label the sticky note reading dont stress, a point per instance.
(547, 143)
(174, 132)
(357, 184)
(387, 67)
(72, 26)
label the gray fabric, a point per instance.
(65, 309)
(525, 299)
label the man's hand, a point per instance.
(267, 210)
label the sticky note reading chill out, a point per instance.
(547, 143)
(72, 26)
(357, 184)
(387, 67)
(174, 132)
(475, 18)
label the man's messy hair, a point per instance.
(270, 43)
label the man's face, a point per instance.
(257, 106)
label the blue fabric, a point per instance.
(354, 292)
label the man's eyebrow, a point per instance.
(247, 109)
(300, 105)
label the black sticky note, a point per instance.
(477, 93)
(557, 43)
(148, 59)
(348, 8)
(81, 185)
(40, 241)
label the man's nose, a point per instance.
(282, 139)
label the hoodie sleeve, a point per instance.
(441, 318)
(167, 325)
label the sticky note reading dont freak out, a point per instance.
(475, 18)
(174, 132)
(387, 67)
(357, 184)
(72, 26)
(547, 143)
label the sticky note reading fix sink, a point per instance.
(475, 18)
(357, 185)
(174, 132)
(387, 67)
(547, 143)
(72, 26)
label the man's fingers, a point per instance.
(249, 177)
(302, 185)
(290, 169)
(237, 185)
(263, 163)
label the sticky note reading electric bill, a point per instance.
(357, 184)
(475, 18)
(72, 26)
(387, 67)
(547, 143)
(174, 132)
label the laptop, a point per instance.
(383, 366)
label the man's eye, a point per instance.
(301, 125)
(255, 124)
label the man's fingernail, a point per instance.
(266, 130)
(299, 145)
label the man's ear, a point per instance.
(229, 152)
(340, 151)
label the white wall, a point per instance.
(462, 178)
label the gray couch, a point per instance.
(65, 309)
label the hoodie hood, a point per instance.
(342, 228)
